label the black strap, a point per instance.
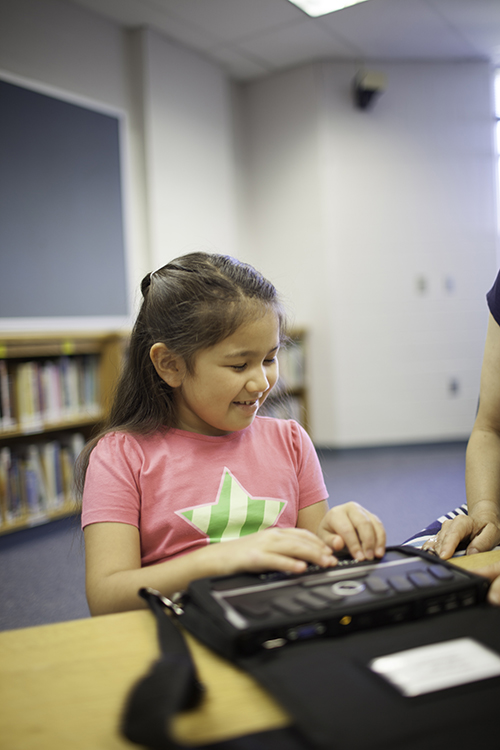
(170, 686)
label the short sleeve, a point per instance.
(493, 299)
(312, 488)
(111, 492)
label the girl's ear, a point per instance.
(170, 367)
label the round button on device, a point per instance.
(348, 588)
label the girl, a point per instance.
(185, 462)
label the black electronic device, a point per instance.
(264, 611)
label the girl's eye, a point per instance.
(238, 368)
(270, 361)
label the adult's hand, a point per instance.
(479, 534)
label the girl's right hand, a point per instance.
(288, 550)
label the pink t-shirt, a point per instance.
(183, 490)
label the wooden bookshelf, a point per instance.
(288, 400)
(55, 389)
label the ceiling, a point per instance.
(253, 38)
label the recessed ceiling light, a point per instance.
(322, 7)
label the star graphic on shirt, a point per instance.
(234, 514)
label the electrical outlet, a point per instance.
(421, 284)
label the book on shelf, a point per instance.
(27, 406)
(10, 484)
(35, 488)
(37, 393)
(51, 461)
(6, 412)
(37, 479)
(51, 385)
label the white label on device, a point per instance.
(427, 669)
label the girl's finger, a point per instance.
(380, 537)
(298, 544)
(361, 537)
(370, 531)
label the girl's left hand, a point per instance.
(352, 527)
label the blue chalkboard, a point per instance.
(61, 215)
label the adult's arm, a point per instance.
(480, 530)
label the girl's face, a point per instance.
(231, 380)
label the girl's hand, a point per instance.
(287, 550)
(352, 527)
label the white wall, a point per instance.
(347, 210)
(414, 186)
(284, 217)
(62, 45)
(189, 152)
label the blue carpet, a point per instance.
(42, 575)
(407, 487)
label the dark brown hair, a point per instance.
(189, 304)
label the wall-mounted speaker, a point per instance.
(367, 86)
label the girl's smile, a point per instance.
(231, 380)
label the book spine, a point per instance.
(40, 503)
(65, 387)
(30, 487)
(59, 486)
(4, 484)
(15, 504)
(49, 472)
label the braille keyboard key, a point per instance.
(401, 584)
(441, 573)
(289, 606)
(255, 609)
(422, 580)
(311, 601)
(377, 585)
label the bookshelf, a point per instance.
(288, 400)
(55, 389)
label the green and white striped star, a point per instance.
(234, 514)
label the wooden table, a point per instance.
(63, 686)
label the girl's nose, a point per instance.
(257, 382)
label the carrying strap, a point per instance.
(170, 686)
